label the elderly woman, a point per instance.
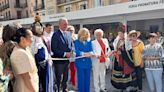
(83, 48)
(100, 49)
(23, 63)
(72, 67)
(138, 47)
(71, 29)
(153, 55)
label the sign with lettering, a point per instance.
(59, 16)
(147, 3)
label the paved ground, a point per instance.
(112, 89)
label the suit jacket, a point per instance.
(82, 48)
(97, 48)
(59, 45)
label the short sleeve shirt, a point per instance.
(23, 62)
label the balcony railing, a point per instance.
(17, 6)
(67, 1)
(24, 5)
(39, 7)
(6, 6)
(61, 1)
(2, 8)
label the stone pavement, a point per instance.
(110, 88)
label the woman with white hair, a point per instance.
(100, 49)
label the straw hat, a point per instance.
(134, 32)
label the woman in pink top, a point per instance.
(23, 63)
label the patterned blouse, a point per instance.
(153, 51)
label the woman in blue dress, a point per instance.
(44, 64)
(83, 47)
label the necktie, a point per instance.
(65, 37)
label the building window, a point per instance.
(98, 3)
(68, 0)
(27, 13)
(83, 5)
(51, 12)
(61, 1)
(6, 15)
(0, 7)
(67, 8)
(154, 28)
(19, 14)
(18, 3)
(26, 3)
(161, 1)
(8, 4)
(9, 15)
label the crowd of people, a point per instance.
(41, 60)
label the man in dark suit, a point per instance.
(61, 48)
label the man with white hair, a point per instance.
(61, 48)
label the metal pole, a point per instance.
(36, 5)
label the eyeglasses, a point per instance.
(71, 30)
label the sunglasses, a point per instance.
(133, 35)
